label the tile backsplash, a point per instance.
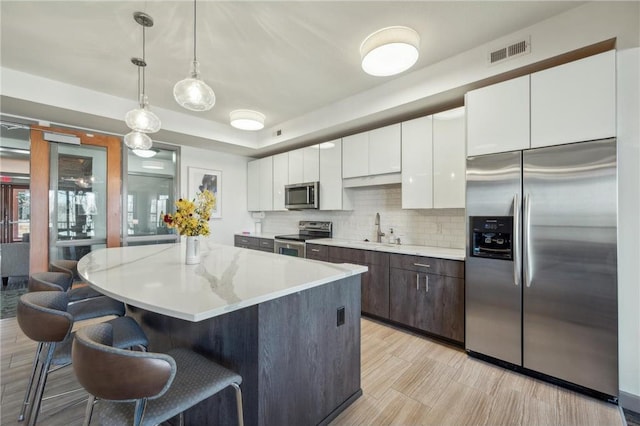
(429, 227)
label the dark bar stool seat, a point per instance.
(43, 317)
(83, 291)
(144, 388)
(93, 307)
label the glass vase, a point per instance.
(193, 251)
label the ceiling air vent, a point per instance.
(512, 50)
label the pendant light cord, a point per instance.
(194, 30)
(144, 59)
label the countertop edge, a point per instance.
(427, 251)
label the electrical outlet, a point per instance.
(340, 316)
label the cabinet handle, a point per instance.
(316, 250)
(422, 264)
(417, 281)
(426, 283)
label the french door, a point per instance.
(14, 213)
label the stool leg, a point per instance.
(89, 410)
(27, 394)
(139, 411)
(239, 403)
(42, 382)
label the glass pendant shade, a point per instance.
(193, 93)
(390, 51)
(145, 153)
(142, 119)
(137, 140)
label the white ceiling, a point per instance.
(283, 58)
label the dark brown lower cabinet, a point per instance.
(375, 282)
(429, 302)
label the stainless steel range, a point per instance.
(294, 244)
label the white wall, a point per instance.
(629, 226)
(233, 203)
(429, 227)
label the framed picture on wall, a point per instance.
(201, 179)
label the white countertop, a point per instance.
(155, 277)
(438, 252)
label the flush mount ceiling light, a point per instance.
(137, 140)
(141, 120)
(390, 51)
(245, 119)
(193, 93)
(145, 153)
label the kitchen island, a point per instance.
(289, 326)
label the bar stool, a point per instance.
(79, 308)
(71, 267)
(144, 388)
(43, 317)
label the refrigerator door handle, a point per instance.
(517, 252)
(527, 240)
(417, 281)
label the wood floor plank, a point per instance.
(407, 379)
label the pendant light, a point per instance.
(390, 51)
(141, 120)
(137, 140)
(192, 93)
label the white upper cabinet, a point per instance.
(355, 155)
(498, 117)
(384, 150)
(311, 164)
(332, 196)
(304, 165)
(296, 166)
(253, 185)
(280, 179)
(574, 102)
(417, 163)
(266, 183)
(376, 152)
(449, 160)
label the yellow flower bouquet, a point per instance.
(192, 216)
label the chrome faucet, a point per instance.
(379, 234)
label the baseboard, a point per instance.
(629, 401)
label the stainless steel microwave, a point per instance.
(302, 196)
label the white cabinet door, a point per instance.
(266, 183)
(384, 150)
(498, 117)
(355, 155)
(253, 185)
(280, 179)
(311, 164)
(417, 163)
(574, 102)
(449, 160)
(331, 175)
(296, 166)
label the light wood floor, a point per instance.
(406, 380)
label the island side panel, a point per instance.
(309, 366)
(231, 340)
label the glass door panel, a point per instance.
(150, 194)
(78, 200)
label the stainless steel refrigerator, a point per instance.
(541, 265)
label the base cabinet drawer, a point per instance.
(254, 243)
(428, 265)
(317, 252)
